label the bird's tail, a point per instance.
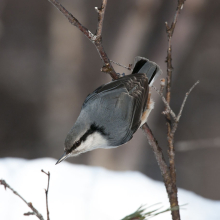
(151, 69)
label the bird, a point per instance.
(114, 111)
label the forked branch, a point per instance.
(170, 137)
(96, 39)
(29, 204)
(46, 193)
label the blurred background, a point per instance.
(47, 68)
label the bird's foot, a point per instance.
(120, 75)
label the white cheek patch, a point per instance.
(93, 141)
(99, 141)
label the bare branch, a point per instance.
(169, 110)
(170, 31)
(157, 151)
(101, 13)
(165, 172)
(175, 124)
(128, 68)
(29, 204)
(46, 192)
(184, 101)
(73, 20)
(95, 39)
(29, 213)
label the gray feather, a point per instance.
(116, 107)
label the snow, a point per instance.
(89, 193)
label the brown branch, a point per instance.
(46, 192)
(96, 39)
(165, 172)
(170, 136)
(101, 14)
(157, 151)
(168, 108)
(175, 124)
(184, 101)
(29, 213)
(29, 204)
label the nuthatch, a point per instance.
(113, 112)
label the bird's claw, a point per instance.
(120, 75)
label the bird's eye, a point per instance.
(77, 143)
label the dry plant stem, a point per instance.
(128, 68)
(172, 192)
(29, 213)
(158, 154)
(165, 172)
(95, 39)
(170, 137)
(101, 14)
(175, 124)
(29, 204)
(169, 110)
(46, 192)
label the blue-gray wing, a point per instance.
(118, 106)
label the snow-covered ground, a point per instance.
(85, 193)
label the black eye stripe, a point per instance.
(93, 128)
(75, 145)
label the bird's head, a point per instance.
(82, 138)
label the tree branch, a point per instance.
(165, 172)
(170, 31)
(96, 39)
(29, 204)
(169, 110)
(184, 101)
(175, 124)
(157, 152)
(46, 192)
(101, 14)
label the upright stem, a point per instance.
(170, 135)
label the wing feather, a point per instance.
(129, 92)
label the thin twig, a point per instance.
(175, 124)
(95, 39)
(128, 68)
(46, 192)
(101, 13)
(165, 172)
(184, 101)
(157, 151)
(169, 110)
(29, 204)
(170, 31)
(29, 213)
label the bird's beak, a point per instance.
(64, 156)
